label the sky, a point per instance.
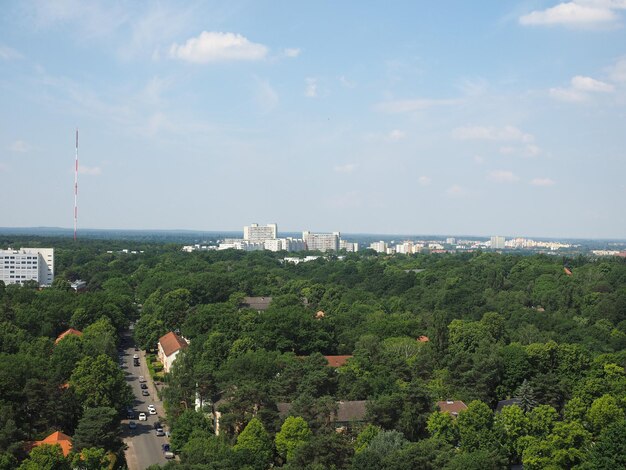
(403, 117)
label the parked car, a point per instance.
(143, 417)
(136, 348)
(151, 407)
(160, 432)
(157, 425)
(132, 425)
(144, 386)
(168, 455)
(145, 393)
(142, 379)
(152, 411)
(135, 356)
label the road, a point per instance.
(144, 446)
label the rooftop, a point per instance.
(171, 343)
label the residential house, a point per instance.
(347, 414)
(69, 331)
(59, 438)
(169, 346)
(452, 407)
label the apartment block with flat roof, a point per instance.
(27, 264)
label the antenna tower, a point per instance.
(76, 188)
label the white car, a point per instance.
(152, 409)
(141, 379)
(143, 417)
(135, 356)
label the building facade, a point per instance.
(498, 243)
(256, 232)
(321, 241)
(27, 264)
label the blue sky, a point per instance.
(455, 117)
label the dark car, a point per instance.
(165, 447)
(157, 425)
(144, 386)
(145, 393)
(136, 362)
(130, 414)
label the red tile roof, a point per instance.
(567, 271)
(69, 331)
(337, 361)
(452, 407)
(57, 437)
(423, 339)
(171, 343)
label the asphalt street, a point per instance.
(144, 446)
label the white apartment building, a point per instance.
(256, 232)
(379, 247)
(27, 264)
(350, 247)
(498, 243)
(321, 241)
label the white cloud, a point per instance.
(502, 176)
(590, 84)
(292, 52)
(617, 73)
(311, 88)
(479, 160)
(212, 46)
(580, 89)
(424, 180)
(406, 106)
(455, 190)
(89, 170)
(542, 182)
(347, 168)
(584, 14)
(19, 146)
(506, 133)
(396, 135)
(8, 53)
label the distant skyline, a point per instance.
(496, 118)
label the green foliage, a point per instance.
(475, 426)
(293, 434)
(443, 426)
(99, 427)
(46, 457)
(604, 411)
(91, 459)
(255, 440)
(99, 382)
(184, 426)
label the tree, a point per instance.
(188, 422)
(327, 450)
(541, 420)
(365, 437)
(99, 382)
(98, 428)
(443, 426)
(565, 447)
(91, 459)
(100, 338)
(383, 444)
(257, 442)
(426, 454)
(293, 434)
(475, 426)
(510, 425)
(609, 450)
(526, 396)
(603, 412)
(46, 457)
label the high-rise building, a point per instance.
(321, 241)
(27, 264)
(497, 243)
(350, 247)
(260, 232)
(379, 247)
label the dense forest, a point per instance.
(549, 332)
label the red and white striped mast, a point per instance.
(76, 188)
